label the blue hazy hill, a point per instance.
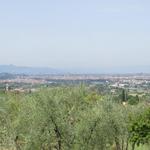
(12, 69)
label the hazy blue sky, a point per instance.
(75, 33)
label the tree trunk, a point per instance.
(122, 144)
(133, 146)
(58, 134)
(118, 147)
(127, 144)
(17, 143)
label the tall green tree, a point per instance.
(139, 129)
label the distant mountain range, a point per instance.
(113, 70)
(12, 69)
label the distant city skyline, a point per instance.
(75, 35)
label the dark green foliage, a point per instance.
(140, 128)
(133, 100)
(124, 95)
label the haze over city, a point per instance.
(75, 35)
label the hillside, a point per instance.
(12, 69)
